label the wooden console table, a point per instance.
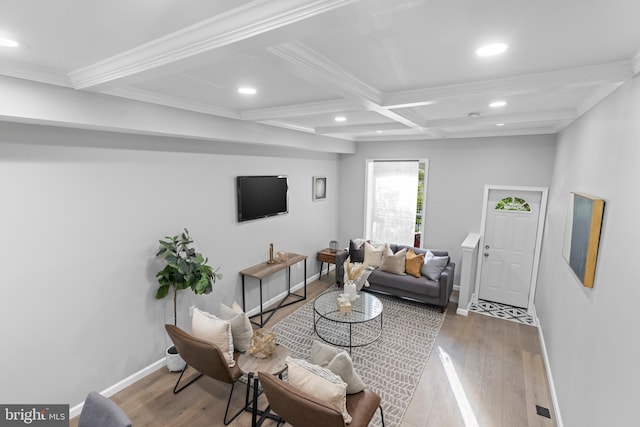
(264, 270)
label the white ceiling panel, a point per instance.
(396, 69)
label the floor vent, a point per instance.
(543, 411)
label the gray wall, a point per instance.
(458, 171)
(80, 229)
(591, 334)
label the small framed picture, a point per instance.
(319, 188)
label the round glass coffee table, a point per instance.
(359, 327)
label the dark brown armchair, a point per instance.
(208, 359)
(300, 409)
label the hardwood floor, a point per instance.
(482, 371)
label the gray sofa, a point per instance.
(421, 289)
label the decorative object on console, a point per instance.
(185, 269)
(582, 236)
(333, 246)
(263, 343)
(319, 188)
(282, 256)
(271, 259)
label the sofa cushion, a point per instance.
(356, 250)
(433, 265)
(373, 254)
(405, 284)
(414, 263)
(393, 263)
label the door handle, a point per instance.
(486, 254)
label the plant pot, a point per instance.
(174, 361)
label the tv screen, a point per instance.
(261, 196)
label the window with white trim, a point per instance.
(395, 201)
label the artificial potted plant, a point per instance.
(185, 269)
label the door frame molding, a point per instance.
(544, 193)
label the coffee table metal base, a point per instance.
(374, 327)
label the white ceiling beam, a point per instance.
(337, 79)
(350, 129)
(300, 110)
(246, 21)
(319, 66)
(171, 101)
(537, 116)
(615, 72)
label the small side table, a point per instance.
(328, 257)
(274, 365)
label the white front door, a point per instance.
(509, 246)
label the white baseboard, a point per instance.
(110, 391)
(547, 366)
(456, 288)
(462, 311)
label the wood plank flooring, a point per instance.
(483, 371)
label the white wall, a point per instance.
(458, 171)
(80, 228)
(591, 335)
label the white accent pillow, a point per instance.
(339, 362)
(320, 383)
(373, 254)
(241, 328)
(217, 331)
(433, 265)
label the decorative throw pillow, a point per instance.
(320, 383)
(356, 250)
(373, 254)
(393, 263)
(322, 354)
(342, 365)
(339, 362)
(413, 264)
(241, 329)
(217, 331)
(433, 265)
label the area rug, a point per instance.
(391, 366)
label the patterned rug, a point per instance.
(503, 311)
(391, 366)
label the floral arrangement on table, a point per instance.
(354, 270)
(356, 275)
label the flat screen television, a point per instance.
(261, 196)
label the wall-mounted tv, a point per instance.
(261, 196)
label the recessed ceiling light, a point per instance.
(499, 124)
(247, 90)
(491, 49)
(498, 104)
(379, 131)
(340, 119)
(5, 42)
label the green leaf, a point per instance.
(162, 292)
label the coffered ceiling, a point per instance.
(393, 69)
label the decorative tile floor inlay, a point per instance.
(503, 311)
